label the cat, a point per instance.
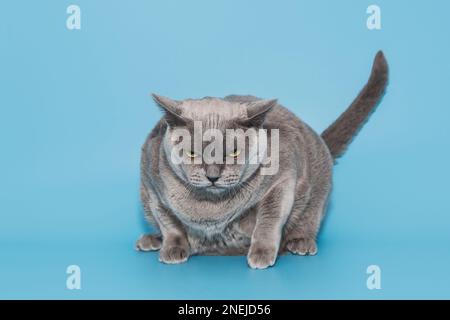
(233, 209)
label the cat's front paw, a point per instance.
(149, 242)
(302, 246)
(173, 254)
(261, 257)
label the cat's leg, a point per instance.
(172, 243)
(149, 242)
(171, 239)
(175, 246)
(304, 223)
(272, 213)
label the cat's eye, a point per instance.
(191, 154)
(235, 153)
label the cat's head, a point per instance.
(213, 144)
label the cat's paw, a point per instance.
(261, 257)
(302, 246)
(173, 254)
(149, 242)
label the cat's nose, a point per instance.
(213, 173)
(213, 179)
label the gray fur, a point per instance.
(340, 133)
(253, 214)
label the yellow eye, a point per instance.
(191, 154)
(235, 153)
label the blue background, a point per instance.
(75, 110)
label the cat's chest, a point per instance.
(207, 213)
(231, 241)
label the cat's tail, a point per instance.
(341, 132)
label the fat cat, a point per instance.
(229, 208)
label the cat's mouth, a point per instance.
(208, 186)
(214, 188)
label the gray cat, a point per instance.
(233, 209)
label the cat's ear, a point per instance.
(257, 111)
(171, 109)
